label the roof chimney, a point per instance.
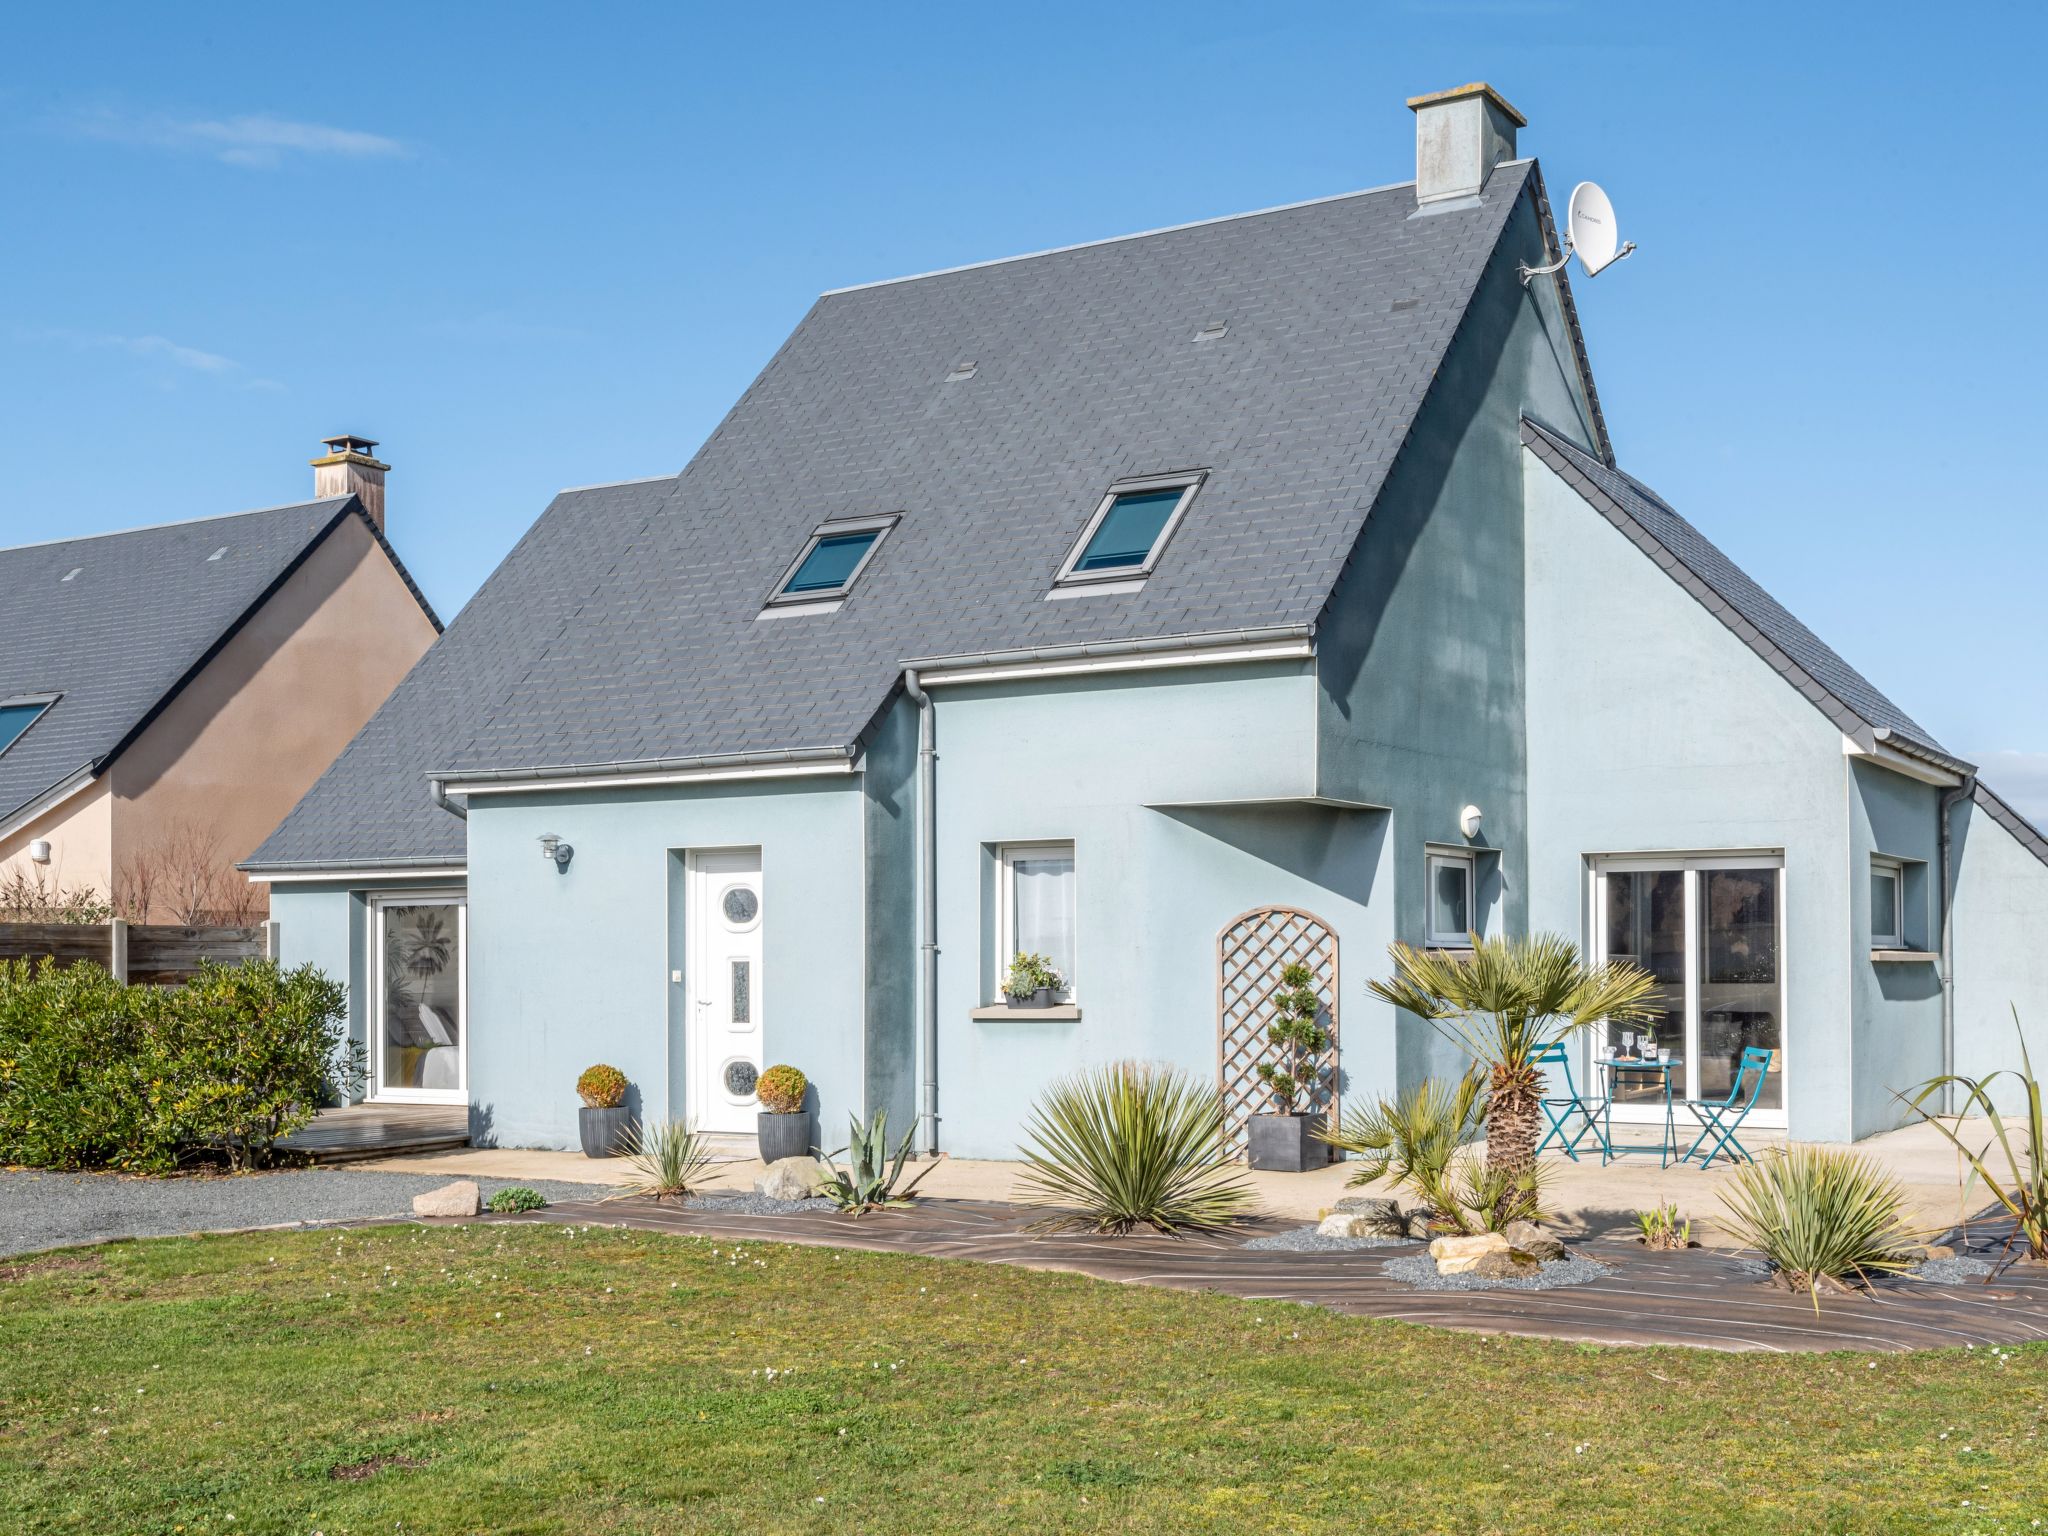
(347, 469)
(1460, 136)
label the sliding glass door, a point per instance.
(1711, 930)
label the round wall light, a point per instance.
(1468, 821)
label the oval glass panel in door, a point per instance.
(740, 905)
(740, 1077)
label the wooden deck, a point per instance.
(362, 1131)
(1700, 1297)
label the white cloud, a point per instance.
(2021, 779)
(173, 357)
(259, 140)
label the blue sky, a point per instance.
(528, 247)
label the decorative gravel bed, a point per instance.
(757, 1205)
(1308, 1240)
(1950, 1271)
(1419, 1270)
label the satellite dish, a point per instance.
(1591, 234)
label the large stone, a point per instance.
(1341, 1224)
(1380, 1218)
(1421, 1224)
(1512, 1265)
(458, 1199)
(1533, 1240)
(1459, 1255)
(792, 1178)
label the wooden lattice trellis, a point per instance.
(1250, 954)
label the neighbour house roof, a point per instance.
(115, 624)
(1283, 353)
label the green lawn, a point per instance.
(545, 1379)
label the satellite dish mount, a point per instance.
(1590, 234)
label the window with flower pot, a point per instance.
(1035, 910)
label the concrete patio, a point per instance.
(1589, 1199)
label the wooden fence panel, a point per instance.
(159, 953)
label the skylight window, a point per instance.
(1124, 538)
(17, 715)
(832, 560)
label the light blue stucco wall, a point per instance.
(1095, 761)
(1895, 1007)
(1652, 728)
(571, 968)
(1421, 648)
(2001, 950)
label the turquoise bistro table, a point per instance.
(1617, 1067)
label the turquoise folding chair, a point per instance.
(1721, 1121)
(1558, 1108)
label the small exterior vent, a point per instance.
(961, 373)
(72, 572)
(1215, 330)
(216, 554)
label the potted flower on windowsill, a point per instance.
(1032, 982)
(1286, 1141)
(603, 1120)
(784, 1128)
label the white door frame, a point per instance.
(374, 1019)
(708, 1105)
(1690, 865)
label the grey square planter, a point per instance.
(1285, 1143)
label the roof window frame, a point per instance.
(17, 700)
(880, 525)
(1189, 481)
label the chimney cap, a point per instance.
(1460, 92)
(348, 448)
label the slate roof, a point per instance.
(624, 628)
(1802, 657)
(140, 612)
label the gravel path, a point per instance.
(52, 1210)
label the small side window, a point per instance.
(1036, 910)
(1448, 921)
(1887, 904)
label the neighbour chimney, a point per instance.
(347, 469)
(1460, 136)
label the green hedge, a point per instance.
(97, 1074)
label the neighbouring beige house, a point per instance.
(168, 693)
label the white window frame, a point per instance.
(1433, 856)
(1690, 865)
(423, 898)
(1190, 482)
(1007, 855)
(879, 526)
(16, 701)
(1896, 937)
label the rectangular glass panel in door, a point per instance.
(1646, 927)
(1739, 993)
(420, 1048)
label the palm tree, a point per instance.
(1502, 1002)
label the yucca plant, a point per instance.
(1820, 1216)
(2021, 1186)
(1503, 1001)
(869, 1180)
(1133, 1145)
(668, 1158)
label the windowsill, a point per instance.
(1058, 1013)
(1905, 956)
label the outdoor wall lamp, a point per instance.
(552, 847)
(1468, 821)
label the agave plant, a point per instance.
(1819, 1215)
(1502, 1002)
(869, 1180)
(1132, 1145)
(2021, 1186)
(668, 1158)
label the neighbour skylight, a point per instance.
(832, 560)
(18, 714)
(1125, 536)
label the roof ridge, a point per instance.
(179, 522)
(1142, 234)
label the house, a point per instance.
(168, 693)
(1171, 606)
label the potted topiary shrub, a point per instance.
(604, 1119)
(784, 1127)
(1286, 1141)
(1032, 982)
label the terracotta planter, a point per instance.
(1285, 1143)
(602, 1129)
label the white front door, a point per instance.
(419, 1050)
(723, 977)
